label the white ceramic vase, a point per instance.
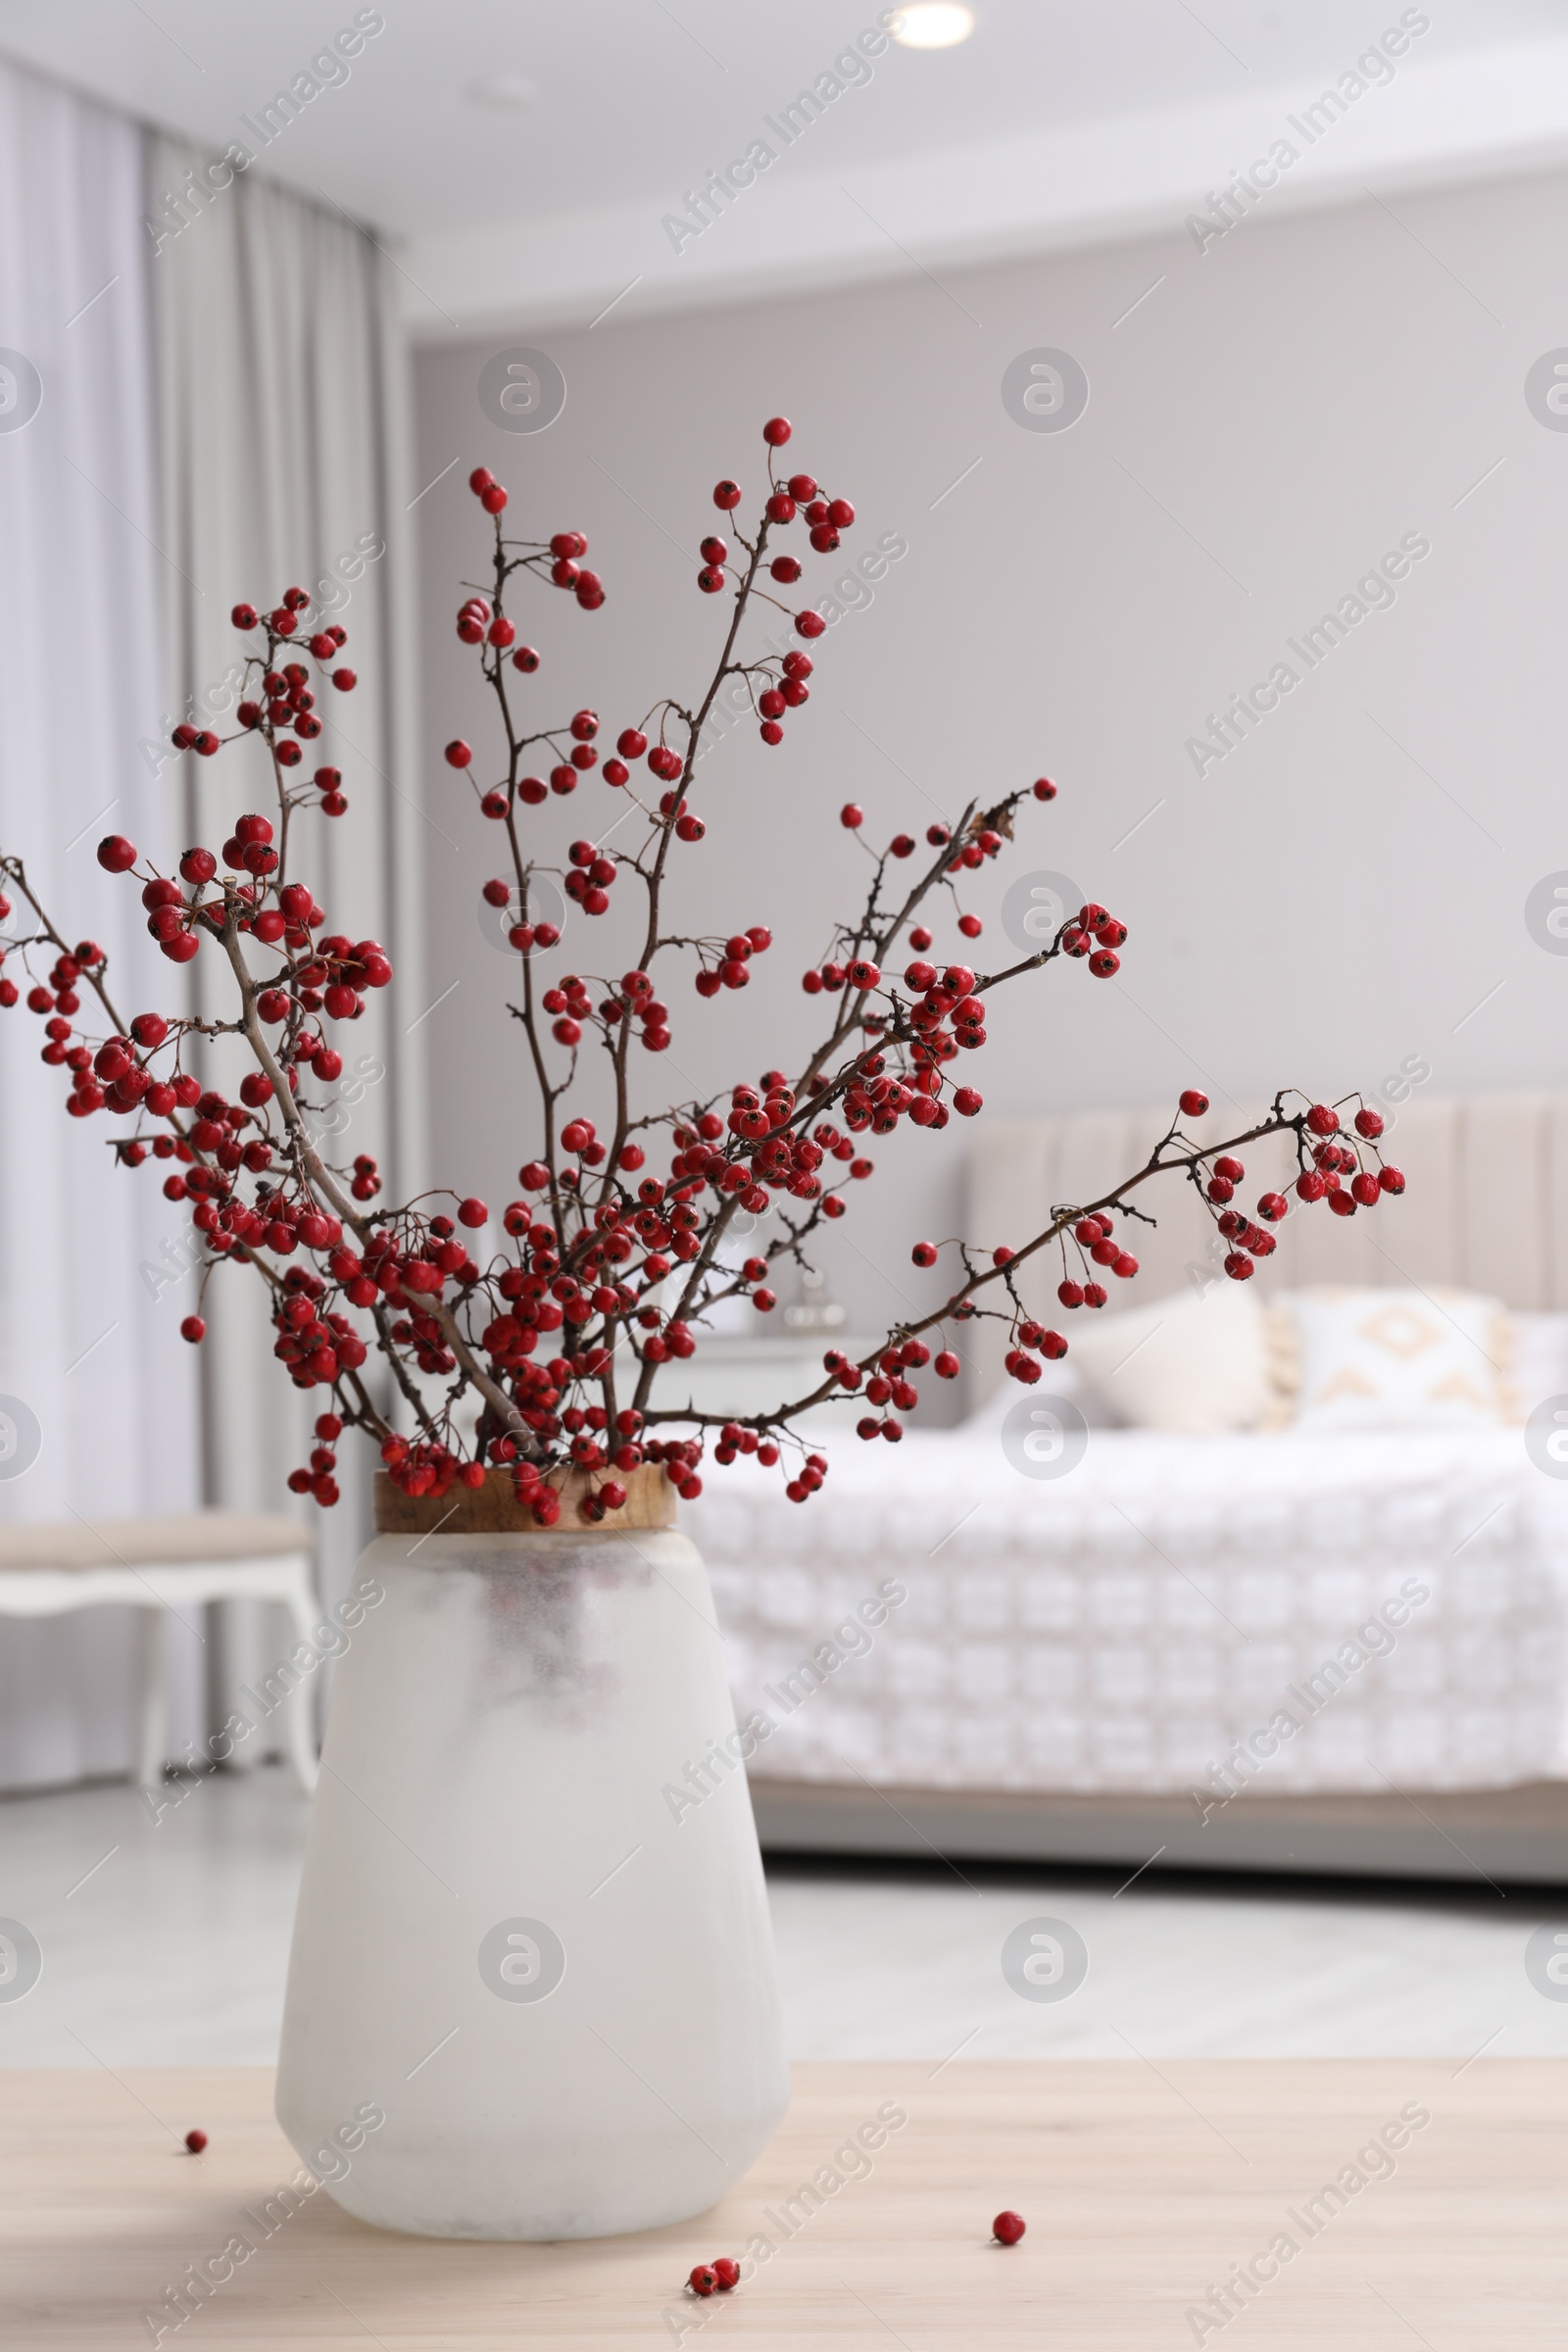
(549, 1971)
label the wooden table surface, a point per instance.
(1143, 2186)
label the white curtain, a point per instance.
(284, 432)
(87, 1343)
(221, 418)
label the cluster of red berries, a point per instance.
(62, 996)
(326, 976)
(605, 1268)
(1324, 1179)
(1093, 1235)
(732, 967)
(560, 560)
(723, 2275)
(1096, 926)
(216, 1143)
(316, 1477)
(283, 709)
(800, 497)
(982, 841)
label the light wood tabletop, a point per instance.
(1424, 2202)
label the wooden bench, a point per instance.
(171, 1563)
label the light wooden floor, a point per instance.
(1143, 2187)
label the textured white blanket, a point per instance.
(1280, 1612)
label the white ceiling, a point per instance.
(1060, 121)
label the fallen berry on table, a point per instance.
(195, 2141)
(727, 2273)
(702, 2280)
(1008, 2229)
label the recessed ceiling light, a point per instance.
(504, 89)
(932, 24)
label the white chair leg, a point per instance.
(152, 1697)
(301, 1707)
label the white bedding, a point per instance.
(1122, 1626)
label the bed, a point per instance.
(1295, 1648)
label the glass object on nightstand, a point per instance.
(813, 1310)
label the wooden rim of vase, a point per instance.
(496, 1508)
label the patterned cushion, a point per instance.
(1397, 1359)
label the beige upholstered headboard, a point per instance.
(1487, 1208)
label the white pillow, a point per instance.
(1196, 1364)
(1061, 1380)
(1399, 1359)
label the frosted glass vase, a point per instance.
(552, 1980)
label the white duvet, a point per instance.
(1284, 1612)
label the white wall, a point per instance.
(1334, 895)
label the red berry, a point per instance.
(924, 1253)
(1044, 790)
(727, 2273)
(971, 927)
(1367, 1188)
(117, 855)
(967, 1102)
(776, 432)
(195, 2141)
(474, 1212)
(727, 494)
(493, 498)
(1321, 1120)
(702, 2280)
(1369, 1123)
(1009, 2228)
(458, 753)
(244, 616)
(480, 479)
(1193, 1103)
(1342, 1203)
(1390, 1180)
(809, 624)
(851, 814)
(1273, 1206)
(194, 1330)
